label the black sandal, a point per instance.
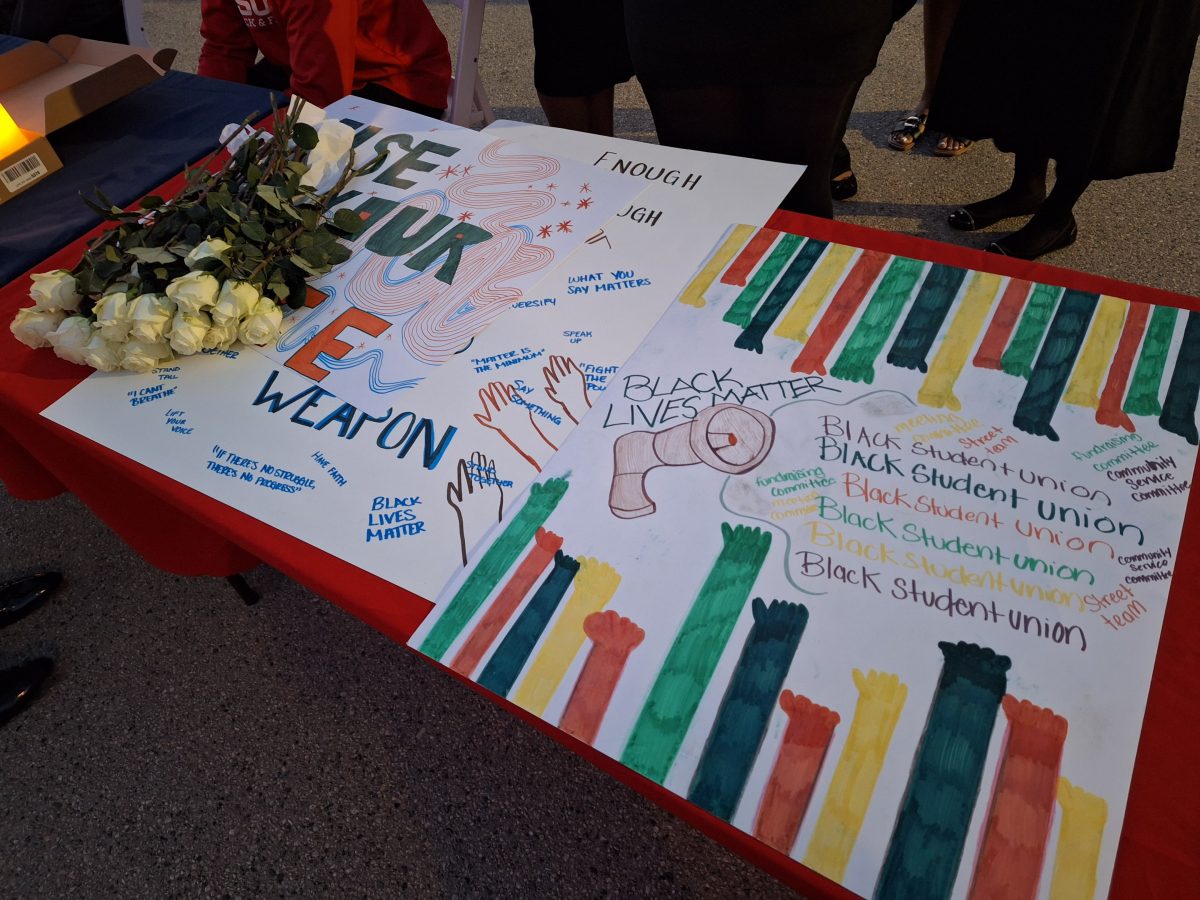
(910, 127)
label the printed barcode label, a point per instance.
(22, 172)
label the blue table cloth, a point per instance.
(126, 149)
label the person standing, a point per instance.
(580, 55)
(777, 84)
(390, 51)
(937, 19)
(1096, 87)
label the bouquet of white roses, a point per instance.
(214, 264)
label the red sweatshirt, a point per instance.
(331, 47)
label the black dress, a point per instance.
(705, 43)
(1096, 83)
(579, 46)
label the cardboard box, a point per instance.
(46, 86)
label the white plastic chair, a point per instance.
(468, 101)
(135, 29)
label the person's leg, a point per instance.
(816, 117)
(592, 113)
(580, 54)
(937, 21)
(746, 121)
(843, 184)
(1053, 225)
(1024, 196)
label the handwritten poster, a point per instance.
(458, 227)
(865, 555)
(405, 491)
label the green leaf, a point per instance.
(229, 212)
(338, 254)
(317, 258)
(304, 135)
(111, 254)
(254, 230)
(152, 201)
(310, 217)
(152, 254)
(301, 263)
(270, 195)
(208, 264)
(347, 221)
(294, 279)
(107, 269)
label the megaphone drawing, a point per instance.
(728, 437)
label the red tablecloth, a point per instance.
(1159, 854)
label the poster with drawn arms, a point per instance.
(404, 491)
(458, 226)
(866, 555)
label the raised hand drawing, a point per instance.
(566, 385)
(472, 497)
(514, 422)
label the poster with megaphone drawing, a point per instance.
(866, 555)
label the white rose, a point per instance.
(222, 336)
(149, 316)
(70, 337)
(234, 302)
(209, 249)
(334, 137)
(31, 325)
(188, 331)
(55, 290)
(101, 354)
(262, 325)
(112, 316)
(144, 356)
(329, 158)
(310, 113)
(194, 292)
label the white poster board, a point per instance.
(866, 555)
(458, 227)
(405, 491)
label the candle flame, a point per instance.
(11, 137)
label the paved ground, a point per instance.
(191, 746)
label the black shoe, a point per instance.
(975, 216)
(19, 685)
(1031, 243)
(843, 187)
(21, 597)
